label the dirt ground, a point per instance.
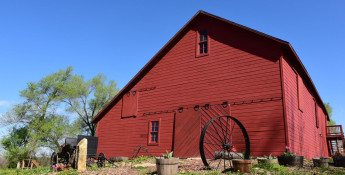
(195, 166)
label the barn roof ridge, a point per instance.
(157, 57)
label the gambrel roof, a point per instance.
(156, 58)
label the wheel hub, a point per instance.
(226, 146)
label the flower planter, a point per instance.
(291, 160)
(339, 161)
(242, 165)
(320, 162)
(167, 166)
(268, 161)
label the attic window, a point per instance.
(203, 43)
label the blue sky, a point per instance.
(117, 38)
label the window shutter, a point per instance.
(316, 115)
(130, 104)
(300, 92)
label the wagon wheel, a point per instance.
(222, 139)
(54, 158)
(101, 160)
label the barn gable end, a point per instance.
(242, 67)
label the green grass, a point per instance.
(7, 171)
(25, 171)
(140, 167)
(281, 170)
(139, 159)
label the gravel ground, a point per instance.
(196, 165)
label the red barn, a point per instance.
(213, 61)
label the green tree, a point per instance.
(87, 98)
(329, 111)
(16, 146)
(38, 114)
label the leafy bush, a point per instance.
(271, 167)
(270, 157)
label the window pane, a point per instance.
(203, 35)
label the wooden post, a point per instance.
(82, 155)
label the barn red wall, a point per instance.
(241, 66)
(123, 137)
(304, 136)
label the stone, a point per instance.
(18, 165)
(144, 165)
(118, 159)
(82, 155)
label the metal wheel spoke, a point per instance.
(217, 132)
(214, 119)
(238, 154)
(224, 161)
(230, 165)
(226, 134)
(212, 152)
(237, 141)
(215, 137)
(212, 144)
(232, 131)
(221, 126)
(236, 133)
(219, 164)
(220, 140)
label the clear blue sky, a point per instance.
(117, 38)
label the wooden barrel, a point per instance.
(291, 160)
(242, 165)
(319, 162)
(339, 161)
(167, 166)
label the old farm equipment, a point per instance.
(223, 139)
(67, 154)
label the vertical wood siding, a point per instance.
(187, 132)
(241, 66)
(304, 137)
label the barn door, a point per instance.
(187, 133)
(188, 126)
(210, 112)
